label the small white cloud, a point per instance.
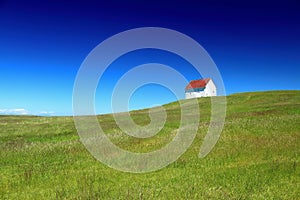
(46, 113)
(22, 111)
(16, 111)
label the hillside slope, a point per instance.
(256, 157)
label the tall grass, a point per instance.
(257, 156)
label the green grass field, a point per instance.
(256, 157)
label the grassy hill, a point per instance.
(257, 156)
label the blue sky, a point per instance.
(255, 45)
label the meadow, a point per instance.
(256, 157)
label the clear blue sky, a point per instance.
(255, 45)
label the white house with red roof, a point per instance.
(200, 88)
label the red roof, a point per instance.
(197, 84)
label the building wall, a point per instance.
(210, 90)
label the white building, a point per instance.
(200, 88)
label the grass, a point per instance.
(257, 156)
